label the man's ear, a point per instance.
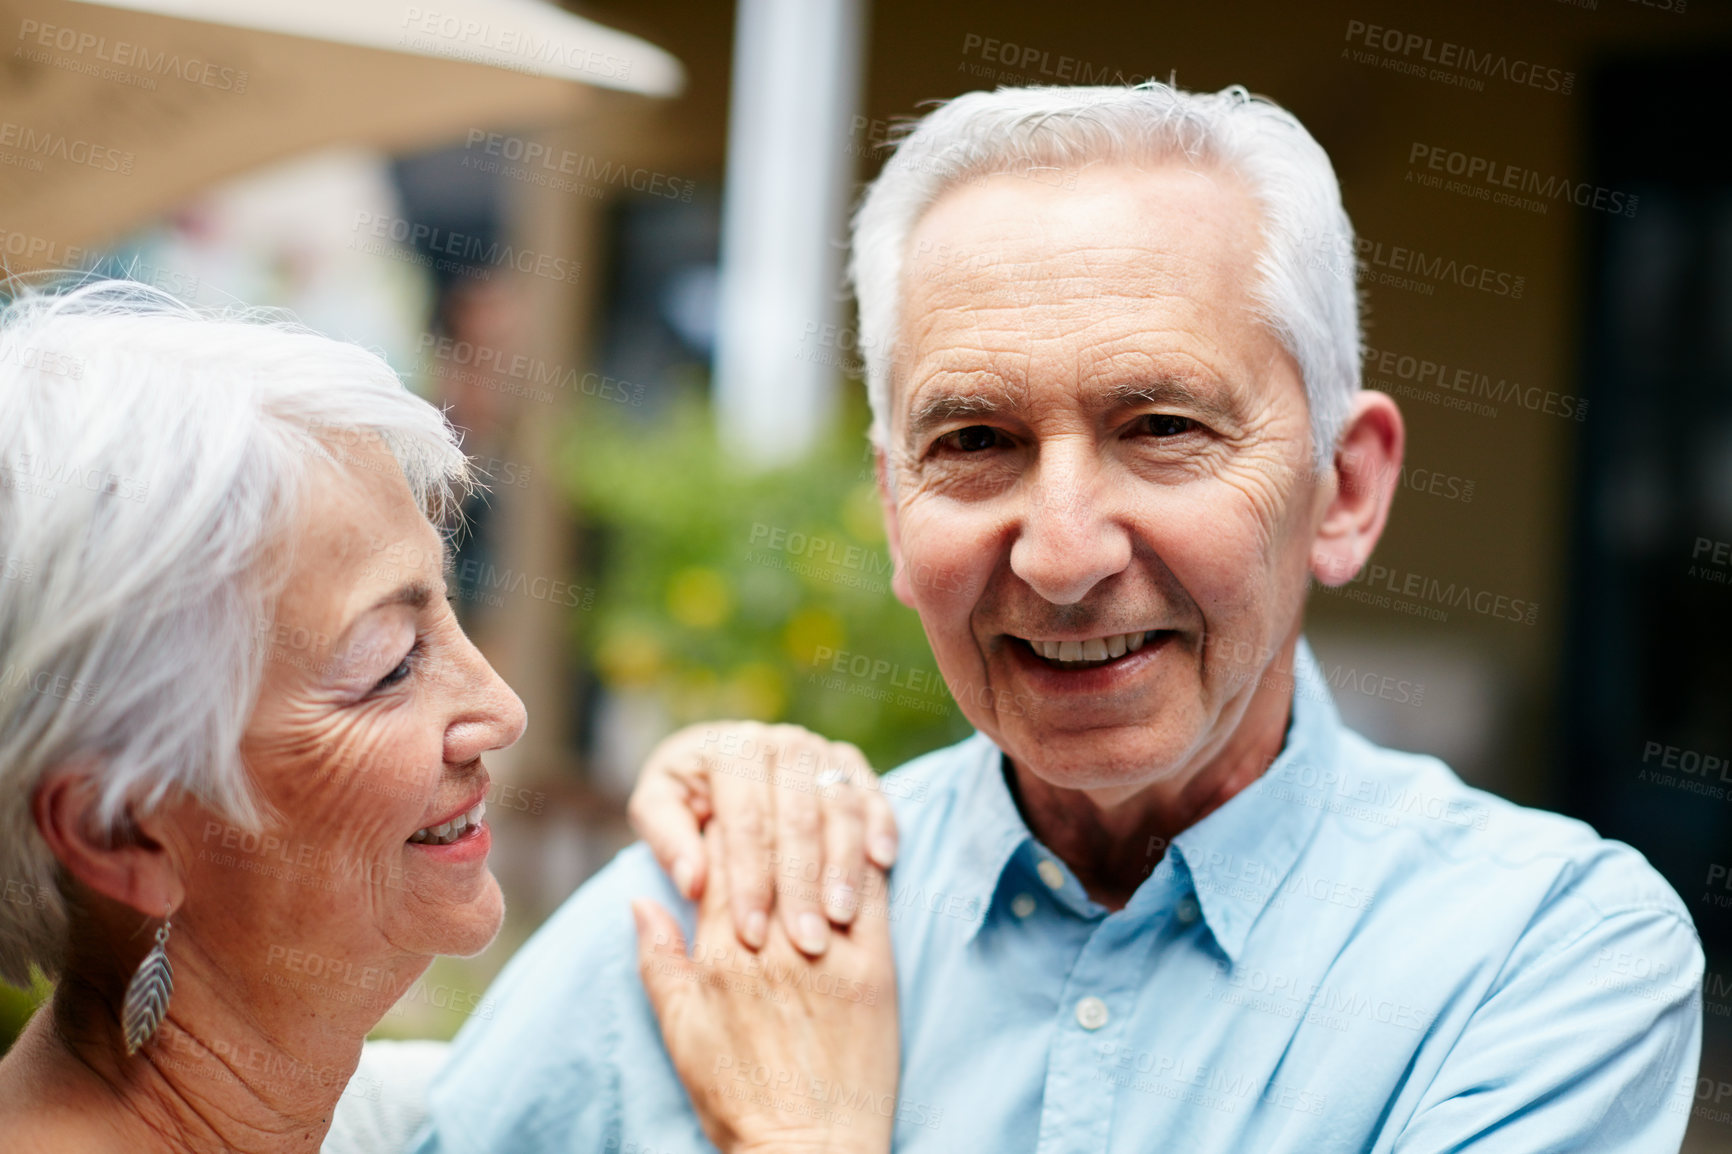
(1367, 470)
(899, 580)
(128, 866)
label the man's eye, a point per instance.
(974, 439)
(1167, 425)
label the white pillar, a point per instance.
(796, 89)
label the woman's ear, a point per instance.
(126, 865)
(1367, 470)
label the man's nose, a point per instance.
(1068, 542)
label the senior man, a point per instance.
(1163, 899)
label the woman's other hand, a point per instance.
(781, 1053)
(801, 820)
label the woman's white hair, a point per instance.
(1306, 292)
(152, 458)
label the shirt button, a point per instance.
(1091, 1013)
(1187, 910)
(1050, 873)
(1022, 905)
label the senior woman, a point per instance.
(240, 726)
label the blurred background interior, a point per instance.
(608, 238)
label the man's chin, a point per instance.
(1094, 760)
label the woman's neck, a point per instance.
(236, 1065)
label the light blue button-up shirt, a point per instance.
(1356, 952)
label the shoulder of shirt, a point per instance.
(541, 1053)
(1460, 826)
(924, 792)
(595, 922)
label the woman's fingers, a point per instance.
(661, 958)
(881, 836)
(784, 1017)
(670, 804)
(799, 837)
(799, 822)
(870, 932)
(744, 804)
(659, 814)
(844, 806)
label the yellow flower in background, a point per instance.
(752, 584)
(810, 630)
(630, 658)
(757, 690)
(693, 693)
(700, 598)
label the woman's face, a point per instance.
(369, 731)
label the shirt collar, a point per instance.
(1236, 858)
(1240, 857)
(994, 829)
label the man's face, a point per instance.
(1101, 502)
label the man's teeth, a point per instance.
(449, 831)
(1094, 649)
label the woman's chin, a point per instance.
(463, 927)
(478, 934)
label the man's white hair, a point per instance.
(152, 459)
(1305, 293)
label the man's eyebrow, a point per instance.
(1165, 390)
(948, 406)
(1156, 390)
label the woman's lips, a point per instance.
(472, 846)
(448, 831)
(459, 823)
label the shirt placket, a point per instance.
(1095, 1009)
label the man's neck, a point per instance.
(226, 1070)
(1112, 847)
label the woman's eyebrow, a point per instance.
(415, 594)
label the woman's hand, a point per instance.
(780, 1053)
(801, 820)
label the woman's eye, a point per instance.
(973, 439)
(403, 670)
(1167, 425)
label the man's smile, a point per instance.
(1089, 652)
(1090, 666)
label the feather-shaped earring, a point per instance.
(148, 993)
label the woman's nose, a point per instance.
(493, 716)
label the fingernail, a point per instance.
(683, 873)
(814, 934)
(755, 927)
(883, 850)
(840, 902)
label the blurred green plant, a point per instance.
(17, 1005)
(730, 593)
